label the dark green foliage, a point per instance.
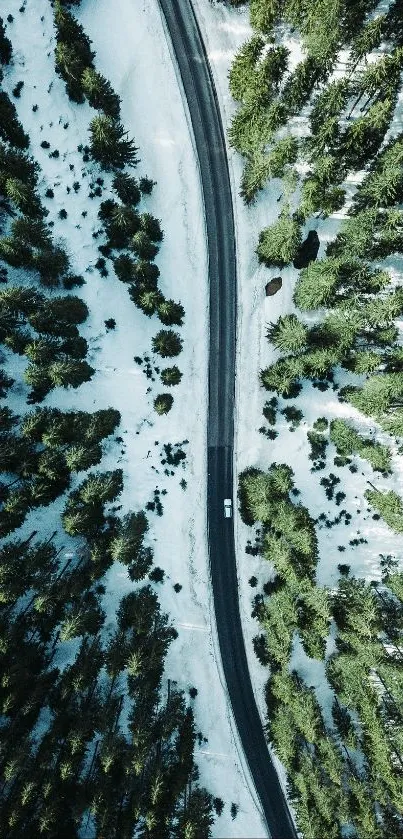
(11, 129)
(84, 510)
(170, 313)
(163, 403)
(279, 243)
(5, 45)
(72, 53)
(389, 505)
(100, 93)
(127, 188)
(171, 376)
(167, 343)
(109, 143)
(348, 442)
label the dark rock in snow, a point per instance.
(273, 286)
(307, 251)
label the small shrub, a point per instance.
(171, 376)
(167, 343)
(163, 403)
(292, 415)
(100, 265)
(110, 323)
(218, 805)
(177, 587)
(146, 185)
(261, 651)
(72, 281)
(321, 424)
(269, 411)
(157, 575)
(17, 89)
(193, 693)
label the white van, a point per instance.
(227, 508)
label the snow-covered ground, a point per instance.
(133, 53)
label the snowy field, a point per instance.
(133, 53)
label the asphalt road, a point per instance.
(209, 137)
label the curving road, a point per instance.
(209, 137)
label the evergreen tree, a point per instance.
(109, 145)
(389, 505)
(5, 45)
(100, 93)
(171, 376)
(244, 66)
(125, 268)
(11, 129)
(167, 343)
(170, 313)
(264, 14)
(288, 334)
(23, 197)
(127, 188)
(316, 284)
(163, 403)
(279, 243)
(142, 246)
(152, 227)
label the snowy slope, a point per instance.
(132, 51)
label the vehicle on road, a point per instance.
(227, 508)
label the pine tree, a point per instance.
(279, 243)
(377, 394)
(244, 66)
(32, 231)
(124, 267)
(127, 188)
(52, 263)
(389, 505)
(100, 93)
(288, 334)
(5, 45)
(23, 197)
(264, 14)
(152, 227)
(171, 376)
(316, 284)
(109, 145)
(163, 403)
(170, 313)
(69, 373)
(167, 343)
(142, 246)
(283, 376)
(11, 129)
